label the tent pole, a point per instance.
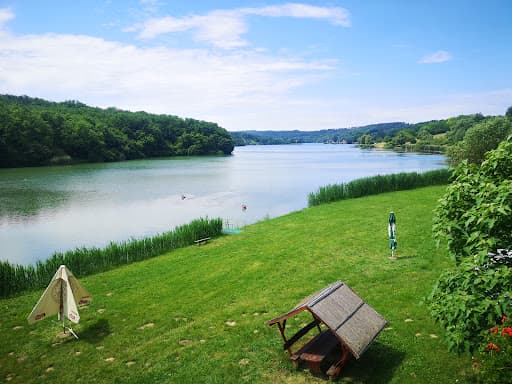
(62, 305)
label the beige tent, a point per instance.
(61, 297)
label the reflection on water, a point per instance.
(49, 209)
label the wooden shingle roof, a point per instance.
(354, 322)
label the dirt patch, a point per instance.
(243, 362)
(185, 342)
(147, 325)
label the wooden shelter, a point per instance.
(346, 325)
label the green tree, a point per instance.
(457, 126)
(365, 140)
(509, 112)
(479, 139)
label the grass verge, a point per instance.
(197, 315)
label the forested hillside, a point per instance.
(38, 132)
(337, 135)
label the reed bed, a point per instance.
(84, 261)
(378, 184)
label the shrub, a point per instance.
(475, 214)
(495, 357)
(469, 298)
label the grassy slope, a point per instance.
(191, 294)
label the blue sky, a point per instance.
(264, 64)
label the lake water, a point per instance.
(49, 209)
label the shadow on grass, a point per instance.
(96, 332)
(405, 257)
(377, 365)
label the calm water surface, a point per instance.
(49, 209)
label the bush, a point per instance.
(475, 214)
(495, 357)
(471, 297)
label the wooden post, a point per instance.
(281, 331)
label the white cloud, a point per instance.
(436, 57)
(220, 28)
(225, 28)
(335, 15)
(191, 83)
(5, 15)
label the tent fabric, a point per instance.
(353, 321)
(61, 298)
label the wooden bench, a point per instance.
(202, 241)
(324, 347)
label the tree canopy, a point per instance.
(479, 139)
(38, 132)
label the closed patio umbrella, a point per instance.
(61, 298)
(392, 233)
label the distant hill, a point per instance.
(39, 132)
(347, 135)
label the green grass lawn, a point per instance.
(197, 315)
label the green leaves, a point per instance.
(469, 299)
(474, 216)
(475, 213)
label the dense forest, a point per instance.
(39, 132)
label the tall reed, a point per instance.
(377, 184)
(84, 261)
